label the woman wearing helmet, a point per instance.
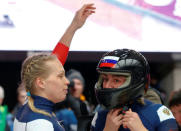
(124, 78)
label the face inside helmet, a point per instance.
(113, 80)
(123, 75)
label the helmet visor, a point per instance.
(116, 80)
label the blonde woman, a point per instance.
(44, 78)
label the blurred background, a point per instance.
(150, 26)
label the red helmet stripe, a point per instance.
(107, 65)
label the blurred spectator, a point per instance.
(175, 106)
(3, 112)
(78, 101)
(155, 84)
(79, 82)
(21, 96)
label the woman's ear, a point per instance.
(39, 82)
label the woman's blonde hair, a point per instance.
(33, 67)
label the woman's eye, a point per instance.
(105, 79)
(116, 81)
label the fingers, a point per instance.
(114, 117)
(87, 6)
(88, 13)
(81, 15)
(128, 119)
(119, 119)
(115, 112)
(131, 120)
(129, 114)
(87, 9)
(130, 110)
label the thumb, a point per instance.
(130, 110)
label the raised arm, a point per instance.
(62, 48)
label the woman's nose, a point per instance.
(67, 81)
(108, 84)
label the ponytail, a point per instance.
(34, 109)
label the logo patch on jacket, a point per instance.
(164, 113)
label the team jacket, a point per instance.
(27, 120)
(155, 117)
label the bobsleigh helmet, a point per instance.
(129, 63)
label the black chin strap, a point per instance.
(124, 109)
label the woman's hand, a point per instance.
(81, 15)
(77, 22)
(113, 120)
(132, 121)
